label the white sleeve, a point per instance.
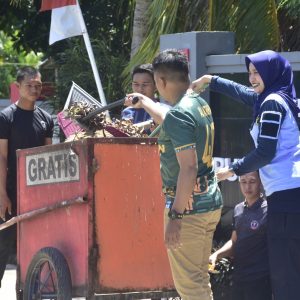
(165, 107)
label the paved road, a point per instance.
(7, 292)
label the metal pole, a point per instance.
(91, 56)
(36, 212)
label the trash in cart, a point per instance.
(83, 113)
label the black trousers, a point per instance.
(259, 289)
(8, 237)
(284, 254)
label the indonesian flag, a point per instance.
(66, 19)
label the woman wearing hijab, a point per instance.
(275, 131)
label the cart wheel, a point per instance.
(48, 277)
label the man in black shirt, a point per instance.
(248, 244)
(22, 125)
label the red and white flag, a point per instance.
(66, 19)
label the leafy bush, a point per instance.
(10, 60)
(74, 65)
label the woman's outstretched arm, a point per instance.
(227, 87)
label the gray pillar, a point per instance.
(200, 44)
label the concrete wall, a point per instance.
(200, 45)
(4, 103)
(235, 63)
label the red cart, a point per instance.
(102, 233)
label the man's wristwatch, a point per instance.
(174, 215)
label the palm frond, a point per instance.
(168, 17)
(289, 20)
(16, 2)
(291, 7)
(254, 22)
(162, 20)
(263, 16)
(195, 15)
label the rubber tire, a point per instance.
(59, 266)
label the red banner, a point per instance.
(50, 4)
(186, 52)
(14, 93)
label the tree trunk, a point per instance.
(139, 24)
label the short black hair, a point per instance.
(26, 71)
(144, 68)
(173, 64)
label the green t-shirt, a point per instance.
(187, 125)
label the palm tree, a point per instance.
(256, 24)
(139, 24)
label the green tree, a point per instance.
(254, 22)
(11, 59)
(109, 24)
(109, 27)
(288, 12)
(139, 28)
(258, 24)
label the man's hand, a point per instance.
(212, 261)
(172, 234)
(5, 205)
(224, 173)
(138, 104)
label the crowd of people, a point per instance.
(265, 239)
(193, 200)
(275, 132)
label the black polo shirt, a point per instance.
(250, 250)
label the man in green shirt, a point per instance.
(193, 199)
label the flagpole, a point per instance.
(91, 56)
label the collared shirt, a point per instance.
(250, 249)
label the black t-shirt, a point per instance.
(250, 249)
(23, 129)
